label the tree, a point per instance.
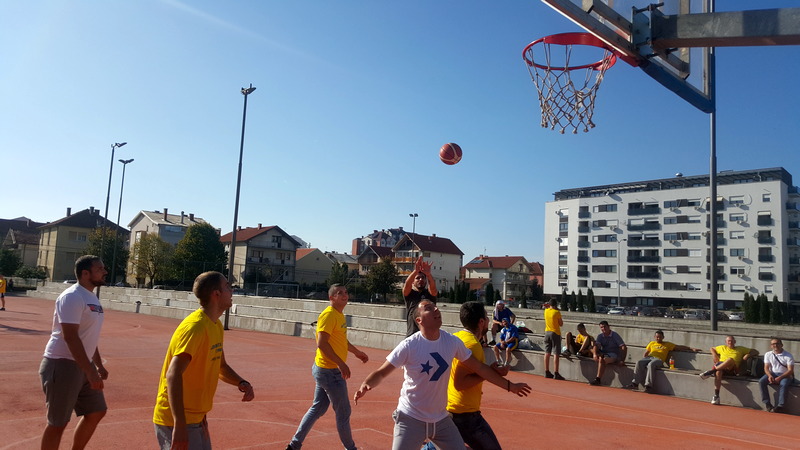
(462, 292)
(10, 262)
(573, 302)
(537, 293)
(382, 278)
(338, 274)
(775, 313)
(581, 301)
(592, 304)
(95, 241)
(153, 259)
(489, 294)
(200, 250)
(747, 306)
(763, 309)
(31, 272)
(564, 303)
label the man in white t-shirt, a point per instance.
(425, 357)
(72, 358)
(778, 369)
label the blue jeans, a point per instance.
(331, 389)
(782, 386)
(476, 431)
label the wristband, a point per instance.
(243, 382)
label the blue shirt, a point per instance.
(511, 331)
(504, 314)
(611, 343)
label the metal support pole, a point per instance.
(712, 177)
(245, 92)
(125, 163)
(108, 197)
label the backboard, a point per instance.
(626, 26)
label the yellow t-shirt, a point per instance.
(2, 285)
(332, 322)
(201, 338)
(551, 319)
(736, 353)
(579, 338)
(660, 351)
(468, 400)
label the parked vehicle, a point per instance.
(617, 311)
(737, 316)
(693, 314)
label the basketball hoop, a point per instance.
(567, 102)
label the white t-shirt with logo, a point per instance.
(426, 367)
(779, 363)
(76, 305)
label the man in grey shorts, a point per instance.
(72, 353)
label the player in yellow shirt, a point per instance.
(727, 361)
(552, 339)
(655, 355)
(3, 292)
(195, 362)
(465, 388)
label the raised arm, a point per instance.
(373, 380)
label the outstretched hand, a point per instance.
(521, 389)
(362, 391)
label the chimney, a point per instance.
(433, 235)
(69, 211)
(165, 214)
(239, 228)
(401, 228)
(91, 210)
(182, 216)
(259, 226)
(191, 217)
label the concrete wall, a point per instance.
(383, 327)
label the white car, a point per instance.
(617, 311)
(736, 316)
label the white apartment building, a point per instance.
(647, 242)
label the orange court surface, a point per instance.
(558, 414)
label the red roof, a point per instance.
(301, 252)
(494, 262)
(245, 234)
(433, 243)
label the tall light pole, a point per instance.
(125, 163)
(619, 269)
(413, 233)
(108, 197)
(245, 92)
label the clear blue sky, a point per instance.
(354, 100)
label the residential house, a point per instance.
(383, 238)
(169, 227)
(21, 235)
(339, 258)
(445, 257)
(509, 275)
(262, 255)
(311, 266)
(64, 241)
(370, 256)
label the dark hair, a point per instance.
(604, 322)
(660, 332)
(776, 339)
(581, 325)
(333, 288)
(85, 262)
(471, 313)
(205, 284)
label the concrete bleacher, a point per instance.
(383, 326)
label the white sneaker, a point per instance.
(715, 400)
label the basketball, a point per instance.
(450, 154)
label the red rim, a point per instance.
(573, 39)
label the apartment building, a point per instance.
(647, 242)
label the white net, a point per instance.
(566, 93)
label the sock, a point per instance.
(716, 392)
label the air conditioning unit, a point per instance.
(673, 209)
(698, 208)
(747, 286)
(741, 258)
(672, 241)
(741, 275)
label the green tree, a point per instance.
(200, 250)
(462, 292)
(563, 304)
(10, 262)
(382, 278)
(592, 304)
(152, 259)
(763, 309)
(573, 302)
(94, 244)
(747, 307)
(338, 274)
(581, 301)
(31, 272)
(537, 293)
(775, 312)
(489, 294)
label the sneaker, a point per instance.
(548, 374)
(707, 374)
(715, 400)
(649, 390)
(492, 342)
(558, 376)
(2, 309)
(769, 407)
(632, 386)
(777, 409)
(595, 382)
(566, 354)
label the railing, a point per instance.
(583, 273)
(644, 243)
(643, 211)
(584, 214)
(765, 258)
(584, 229)
(766, 240)
(649, 275)
(764, 221)
(583, 259)
(720, 258)
(644, 258)
(766, 276)
(584, 244)
(646, 226)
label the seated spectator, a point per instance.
(727, 361)
(609, 348)
(580, 344)
(509, 340)
(655, 355)
(500, 312)
(778, 369)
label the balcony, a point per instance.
(793, 242)
(794, 260)
(794, 225)
(793, 278)
(766, 258)
(563, 276)
(644, 211)
(562, 261)
(584, 214)
(720, 258)
(766, 240)
(766, 276)
(720, 241)
(639, 275)
(653, 259)
(583, 259)
(644, 227)
(644, 243)
(584, 244)
(584, 229)
(583, 273)
(764, 221)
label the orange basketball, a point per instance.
(450, 153)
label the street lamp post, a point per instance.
(413, 233)
(245, 92)
(125, 163)
(108, 197)
(619, 268)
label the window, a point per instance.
(694, 236)
(737, 270)
(276, 240)
(768, 289)
(604, 269)
(695, 253)
(693, 202)
(605, 208)
(604, 253)
(736, 217)
(737, 252)
(737, 234)
(604, 238)
(670, 220)
(77, 236)
(736, 200)
(563, 226)
(737, 288)
(693, 286)
(766, 197)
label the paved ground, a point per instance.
(559, 414)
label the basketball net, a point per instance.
(566, 93)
